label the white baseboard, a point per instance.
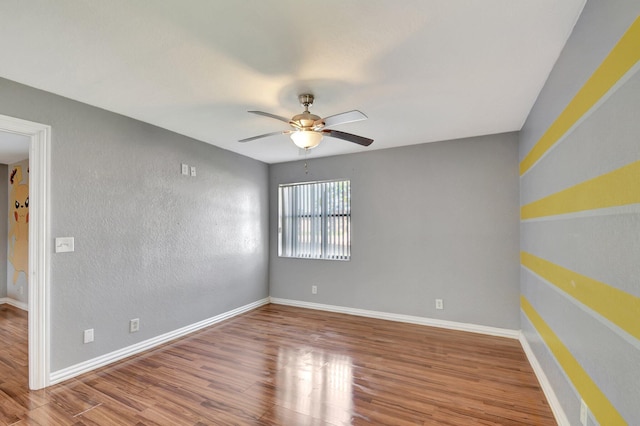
(547, 389)
(451, 325)
(14, 302)
(101, 361)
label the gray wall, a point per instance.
(601, 244)
(4, 223)
(437, 220)
(150, 243)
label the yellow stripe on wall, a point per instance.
(621, 59)
(619, 307)
(604, 412)
(617, 188)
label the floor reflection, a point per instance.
(316, 383)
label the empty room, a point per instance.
(320, 213)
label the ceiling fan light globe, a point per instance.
(306, 139)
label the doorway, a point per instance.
(39, 136)
(14, 191)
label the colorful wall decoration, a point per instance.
(18, 232)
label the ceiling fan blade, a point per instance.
(267, 114)
(360, 140)
(281, 132)
(344, 117)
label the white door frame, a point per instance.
(39, 244)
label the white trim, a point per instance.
(14, 302)
(39, 252)
(451, 325)
(92, 364)
(547, 389)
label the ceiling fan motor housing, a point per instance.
(306, 120)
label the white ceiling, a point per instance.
(13, 148)
(422, 70)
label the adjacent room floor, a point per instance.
(14, 359)
(281, 365)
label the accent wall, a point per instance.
(580, 219)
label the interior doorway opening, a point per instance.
(39, 136)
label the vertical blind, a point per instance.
(315, 220)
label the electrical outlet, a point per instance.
(439, 304)
(314, 289)
(134, 325)
(88, 335)
(584, 412)
(185, 169)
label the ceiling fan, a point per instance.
(307, 130)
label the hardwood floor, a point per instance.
(280, 365)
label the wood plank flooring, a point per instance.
(281, 365)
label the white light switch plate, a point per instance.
(193, 170)
(64, 244)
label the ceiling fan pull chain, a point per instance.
(306, 167)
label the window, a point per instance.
(315, 220)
